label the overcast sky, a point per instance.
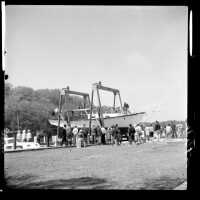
(141, 50)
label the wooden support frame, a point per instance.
(91, 107)
(63, 92)
(59, 112)
(114, 101)
(97, 87)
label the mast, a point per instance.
(59, 113)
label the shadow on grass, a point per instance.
(28, 182)
(162, 183)
(15, 182)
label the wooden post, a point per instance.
(114, 101)
(120, 102)
(59, 112)
(91, 107)
(68, 117)
(100, 111)
(15, 138)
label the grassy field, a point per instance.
(150, 166)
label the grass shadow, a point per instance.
(29, 182)
(162, 183)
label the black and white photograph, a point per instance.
(95, 97)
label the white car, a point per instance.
(9, 144)
(29, 145)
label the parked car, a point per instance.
(9, 144)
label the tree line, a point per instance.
(26, 108)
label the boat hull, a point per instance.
(122, 121)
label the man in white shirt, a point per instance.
(24, 136)
(108, 135)
(168, 130)
(179, 130)
(147, 132)
(75, 132)
(29, 136)
(138, 133)
(19, 136)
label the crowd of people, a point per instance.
(82, 137)
(24, 136)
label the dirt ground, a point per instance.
(149, 166)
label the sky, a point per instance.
(140, 50)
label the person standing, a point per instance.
(108, 135)
(118, 135)
(125, 108)
(64, 136)
(168, 130)
(179, 130)
(79, 138)
(75, 132)
(138, 134)
(69, 135)
(38, 136)
(24, 136)
(48, 136)
(103, 131)
(143, 137)
(147, 133)
(98, 135)
(93, 133)
(131, 133)
(174, 134)
(136, 139)
(151, 133)
(157, 129)
(85, 135)
(163, 133)
(29, 136)
(113, 135)
(19, 136)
